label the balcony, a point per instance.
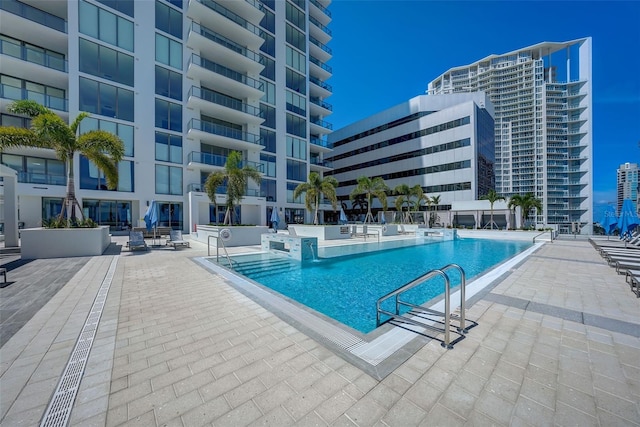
(319, 31)
(226, 22)
(320, 107)
(223, 136)
(15, 94)
(319, 145)
(223, 107)
(34, 14)
(319, 69)
(225, 79)
(41, 178)
(223, 50)
(216, 161)
(319, 126)
(319, 50)
(19, 60)
(317, 164)
(318, 88)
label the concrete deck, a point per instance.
(557, 343)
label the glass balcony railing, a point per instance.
(16, 93)
(207, 159)
(226, 72)
(223, 41)
(225, 101)
(319, 25)
(41, 178)
(321, 64)
(320, 83)
(320, 142)
(318, 121)
(216, 129)
(198, 188)
(323, 163)
(317, 4)
(230, 15)
(320, 45)
(34, 14)
(32, 55)
(321, 103)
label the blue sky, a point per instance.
(387, 51)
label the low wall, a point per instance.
(240, 236)
(39, 243)
(299, 248)
(322, 232)
(505, 235)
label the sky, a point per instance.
(387, 51)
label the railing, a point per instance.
(207, 159)
(216, 129)
(226, 72)
(320, 64)
(552, 235)
(320, 142)
(322, 46)
(425, 311)
(226, 101)
(321, 103)
(41, 178)
(222, 235)
(225, 42)
(317, 4)
(33, 14)
(17, 93)
(318, 121)
(35, 56)
(319, 25)
(320, 83)
(230, 15)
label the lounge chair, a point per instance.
(136, 241)
(176, 240)
(633, 279)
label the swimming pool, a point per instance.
(345, 283)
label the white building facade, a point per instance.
(183, 84)
(628, 179)
(443, 143)
(543, 124)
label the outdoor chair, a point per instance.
(633, 279)
(136, 241)
(176, 240)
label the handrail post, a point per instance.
(447, 313)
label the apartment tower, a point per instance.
(628, 178)
(543, 124)
(184, 84)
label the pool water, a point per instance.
(345, 283)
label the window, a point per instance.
(168, 180)
(296, 103)
(291, 188)
(268, 190)
(296, 125)
(296, 170)
(268, 21)
(15, 89)
(91, 178)
(106, 100)
(268, 139)
(269, 92)
(296, 81)
(269, 114)
(269, 70)
(296, 148)
(107, 63)
(296, 38)
(168, 51)
(168, 147)
(14, 121)
(36, 170)
(168, 20)
(269, 45)
(168, 83)
(296, 60)
(124, 132)
(124, 6)
(296, 16)
(268, 163)
(106, 26)
(168, 115)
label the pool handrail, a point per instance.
(218, 240)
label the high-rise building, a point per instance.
(543, 124)
(629, 185)
(183, 84)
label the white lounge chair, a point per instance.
(176, 240)
(136, 241)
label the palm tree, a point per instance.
(526, 203)
(314, 188)
(371, 188)
(48, 130)
(403, 197)
(492, 197)
(236, 177)
(433, 201)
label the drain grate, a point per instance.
(59, 409)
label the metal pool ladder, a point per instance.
(420, 316)
(219, 240)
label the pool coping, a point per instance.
(379, 352)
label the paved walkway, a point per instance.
(557, 344)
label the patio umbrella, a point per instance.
(275, 219)
(343, 217)
(628, 219)
(151, 217)
(609, 220)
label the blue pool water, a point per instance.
(345, 283)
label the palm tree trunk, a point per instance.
(70, 202)
(315, 216)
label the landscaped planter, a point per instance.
(38, 243)
(238, 236)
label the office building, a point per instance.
(543, 124)
(443, 143)
(183, 84)
(628, 185)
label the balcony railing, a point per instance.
(321, 103)
(317, 4)
(320, 142)
(320, 64)
(32, 55)
(226, 72)
(225, 101)
(223, 190)
(207, 159)
(34, 14)
(320, 45)
(318, 121)
(216, 129)
(223, 41)
(41, 178)
(319, 25)
(323, 163)
(198, 188)
(49, 101)
(230, 15)
(320, 83)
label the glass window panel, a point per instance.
(175, 149)
(125, 105)
(88, 19)
(125, 176)
(108, 27)
(107, 100)
(88, 95)
(108, 63)
(162, 114)
(13, 161)
(125, 66)
(88, 55)
(175, 51)
(87, 124)
(176, 117)
(125, 132)
(175, 85)
(162, 179)
(162, 148)
(162, 81)
(175, 184)
(125, 34)
(55, 167)
(162, 49)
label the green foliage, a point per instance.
(60, 222)
(315, 187)
(371, 188)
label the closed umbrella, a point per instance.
(609, 220)
(628, 219)
(343, 217)
(151, 218)
(275, 219)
